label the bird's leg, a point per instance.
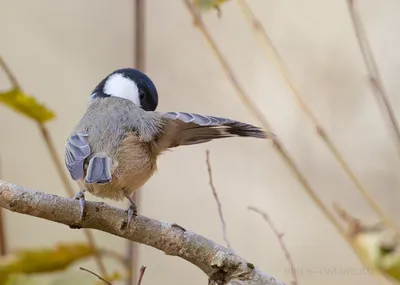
(81, 197)
(132, 210)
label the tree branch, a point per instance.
(221, 265)
(215, 194)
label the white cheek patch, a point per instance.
(119, 86)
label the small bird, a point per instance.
(113, 149)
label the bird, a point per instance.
(113, 150)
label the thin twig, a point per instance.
(273, 54)
(141, 273)
(221, 265)
(279, 235)
(373, 71)
(3, 248)
(58, 165)
(215, 194)
(257, 114)
(132, 252)
(10, 75)
(97, 275)
(3, 243)
(354, 225)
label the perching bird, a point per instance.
(113, 150)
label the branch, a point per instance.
(273, 54)
(141, 274)
(95, 274)
(215, 194)
(373, 71)
(10, 75)
(278, 145)
(3, 243)
(279, 236)
(252, 107)
(221, 265)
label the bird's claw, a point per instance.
(132, 211)
(81, 197)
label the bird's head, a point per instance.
(129, 84)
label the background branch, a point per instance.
(279, 236)
(95, 274)
(215, 194)
(274, 55)
(139, 44)
(279, 147)
(373, 71)
(3, 243)
(141, 274)
(219, 263)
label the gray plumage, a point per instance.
(77, 150)
(108, 121)
(113, 150)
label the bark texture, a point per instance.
(221, 265)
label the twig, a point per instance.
(3, 250)
(219, 263)
(264, 122)
(3, 244)
(354, 224)
(141, 273)
(97, 275)
(59, 167)
(273, 54)
(13, 80)
(372, 68)
(132, 252)
(215, 194)
(281, 242)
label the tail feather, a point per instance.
(189, 128)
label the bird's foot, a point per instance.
(81, 197)
(132, 210)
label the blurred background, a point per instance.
(59, 51)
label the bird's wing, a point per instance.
(190, 128)
(77, 150)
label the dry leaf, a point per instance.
(42, 260)
(26, 105)
(67, 277)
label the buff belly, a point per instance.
(133, 165)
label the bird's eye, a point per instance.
(141, 96)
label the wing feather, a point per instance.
(191, 128)
(77, 149)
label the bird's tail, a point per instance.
(189, 128)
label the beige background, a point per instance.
(60, 50)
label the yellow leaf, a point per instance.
(208, 4)
(26, 105)
(43, 260)
(72, 276)
(381, 249)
